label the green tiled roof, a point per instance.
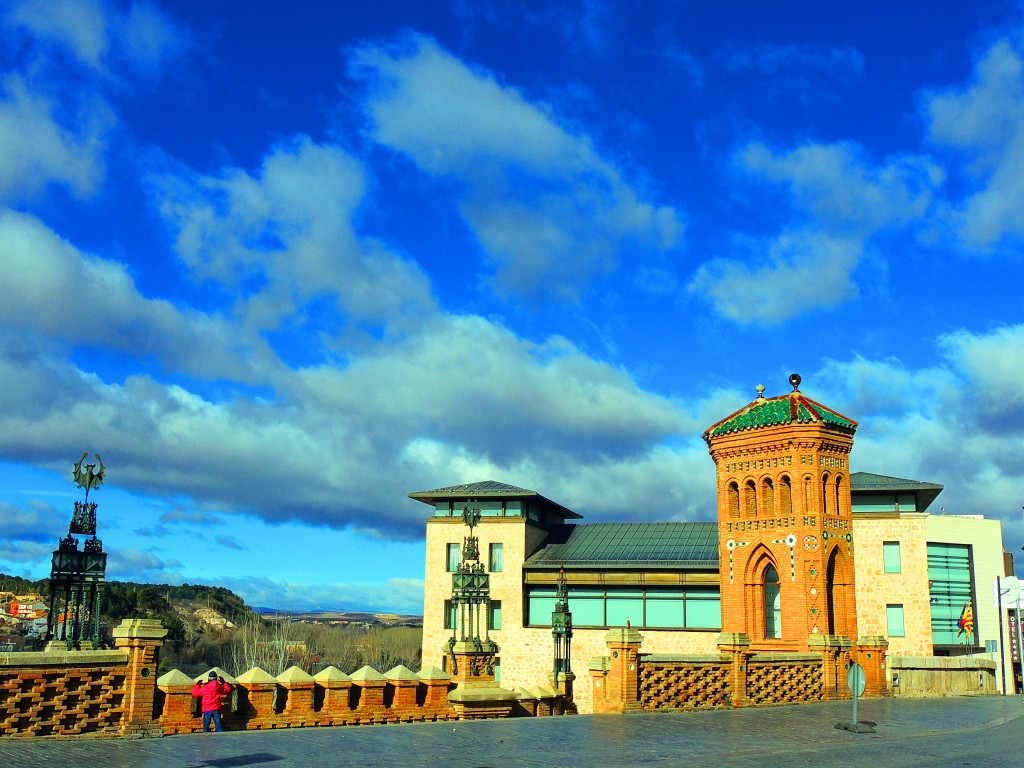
(794, 408)
(691, 546)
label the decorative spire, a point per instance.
(794, 379)
(760, 391)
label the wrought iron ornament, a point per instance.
(561, 627)
(471, 601)
(77, 576)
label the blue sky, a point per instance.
(282, 264)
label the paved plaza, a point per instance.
(978, 731)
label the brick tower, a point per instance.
(785, 522)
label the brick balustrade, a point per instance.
(736, 676)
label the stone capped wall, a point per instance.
(65, 693)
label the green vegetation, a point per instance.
(199, 637)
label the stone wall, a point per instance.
(116, 693)
(876, 589)
(942, 675)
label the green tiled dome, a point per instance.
(794, 408)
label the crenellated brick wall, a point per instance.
(295, 699)
(116, 693)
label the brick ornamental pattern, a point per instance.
(43, 702)
(684, 686)
(775, 683)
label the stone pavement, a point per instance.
(964, 731)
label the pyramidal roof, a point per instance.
(484, 488)
(792, 408)
(489, 489)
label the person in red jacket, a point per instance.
(211, 691)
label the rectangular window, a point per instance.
(949, 576)
(497, 558)
(704, 610)
(450, 616)
(894, 621)
(587, 606)
(891, 557)
(490, 508)
(695, 608)
(494, 615)
(452, 563)
(623, 606)
(665, 609)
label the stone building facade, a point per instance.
(800, 560)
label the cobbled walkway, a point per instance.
(966, 731)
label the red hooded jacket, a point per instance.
(211, 691)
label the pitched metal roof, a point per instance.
(791, 408)
(489, 489)
(690, 546)
(863, 483)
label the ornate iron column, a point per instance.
(561, 630)
(471, 600)
(77, 576)
(561, 627)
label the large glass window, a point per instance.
(949, 574)
(496, 557)
(490, 508)
(665, 609)
(772, 604)
(694, 608)
(894, 621)
(452, 558)
(891, 557)
(450, 618)
(624, 606)
(494, 615)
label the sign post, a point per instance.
(856, 682)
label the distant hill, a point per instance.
(185, 610)
(363, 618)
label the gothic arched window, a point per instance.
(772, 603)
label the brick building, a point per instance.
(803, 553)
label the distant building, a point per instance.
(802, 549)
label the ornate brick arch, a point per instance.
(759, 562)
(840, 601)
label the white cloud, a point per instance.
(131, 564)
(840, 188)
(101, 35)
(49, 283)
(80, 25)
(994, 363)
(397, 595)
(550, 212)
(840, 200)
(985, 120)
(28, 534)
(36, 148)
(959, 423)
(284, 236)
(799, 271)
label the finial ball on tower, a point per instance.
(794, 379)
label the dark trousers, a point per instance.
(212, 715)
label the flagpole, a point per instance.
(1002, 649)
